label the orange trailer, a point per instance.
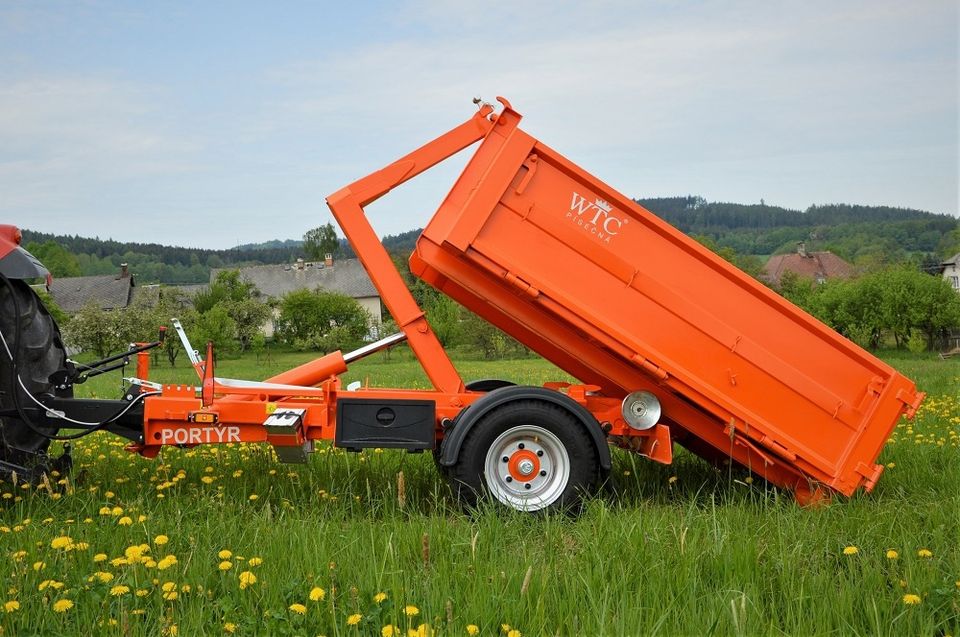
(669, 343)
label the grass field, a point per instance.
(219, 540)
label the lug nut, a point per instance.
(509, 479)
(540, 452)
(543, 473)
(506, 459)
(520, 446)
(526, 486)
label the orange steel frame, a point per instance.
(226, 413)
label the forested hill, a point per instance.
(857, 233)
(850, 231)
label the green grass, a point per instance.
(681, 549)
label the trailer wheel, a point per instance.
(40, 353)
(529, 455)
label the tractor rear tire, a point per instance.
(39, 354)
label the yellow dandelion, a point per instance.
(514, 633)
(142, 592)
(247, 579)
(379, 597)
(224, 554)
(166, 562)
(62, 605)
(389, 631)
(11, 606)
(168, 586)
(354, 619)
(170, 596)
(910, 599)
(255, 561)
(423, 630)
(60, 542)
(850, 550)
(119, 590)
(225, 565)
(252, 496)
(100, 557)
(81, 546)
(299, 609)
(125, 521)
(924, 553)
(229, 627)
(39, 566)
(411, 611)
(892, 554)
(473, 629)
(160, 540)
(119, 561)
(103, 576)
(317, 594)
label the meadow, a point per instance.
(225, 540)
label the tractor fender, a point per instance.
(466, 419)
(15, 262)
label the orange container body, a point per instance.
(618, 298)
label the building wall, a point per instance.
(952, 274)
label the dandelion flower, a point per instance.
(850, 550)
(389, 631)
(39, 566)
(317, 594)
(423, 630)
(103, 576)
(924, 553)
(11, 606)
(160, 540)
(299, 609)
(892, 555)
(229, 627)
(247, 579)
(142, 592)
(168, 586)
(379, 597)
(252, 496)
(354, 619)
(225, 565)
(61, 542)
(473, 629)
(166, 562)
(125, 521)
(62, 605)
(911, 599)
(100, 557)
(170, 596)
(255, 561)
(119, 590)
(514, 633)
(224, 554)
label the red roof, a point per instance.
(818, 266)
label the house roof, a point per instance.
(811, 265)
(954, 260)
(346, 277)
(108, 291)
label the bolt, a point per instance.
(520, 446)
(543, 474)
(526, 486)
(525, 466)
(509, 479)
(506, 459)
(540, 452)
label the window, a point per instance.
(955, 282)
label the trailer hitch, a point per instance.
(71, 375)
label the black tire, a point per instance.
(516, 433)
(39, 353)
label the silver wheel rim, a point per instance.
(527, 468)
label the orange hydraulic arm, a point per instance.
(347, 206)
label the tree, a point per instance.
(239, 300)
(308, 317)
(95, 330)
(319, 242)
(55, 258)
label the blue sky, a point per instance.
(217, 123)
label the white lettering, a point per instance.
(580, 203)
(199, 435)
(603, 223)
